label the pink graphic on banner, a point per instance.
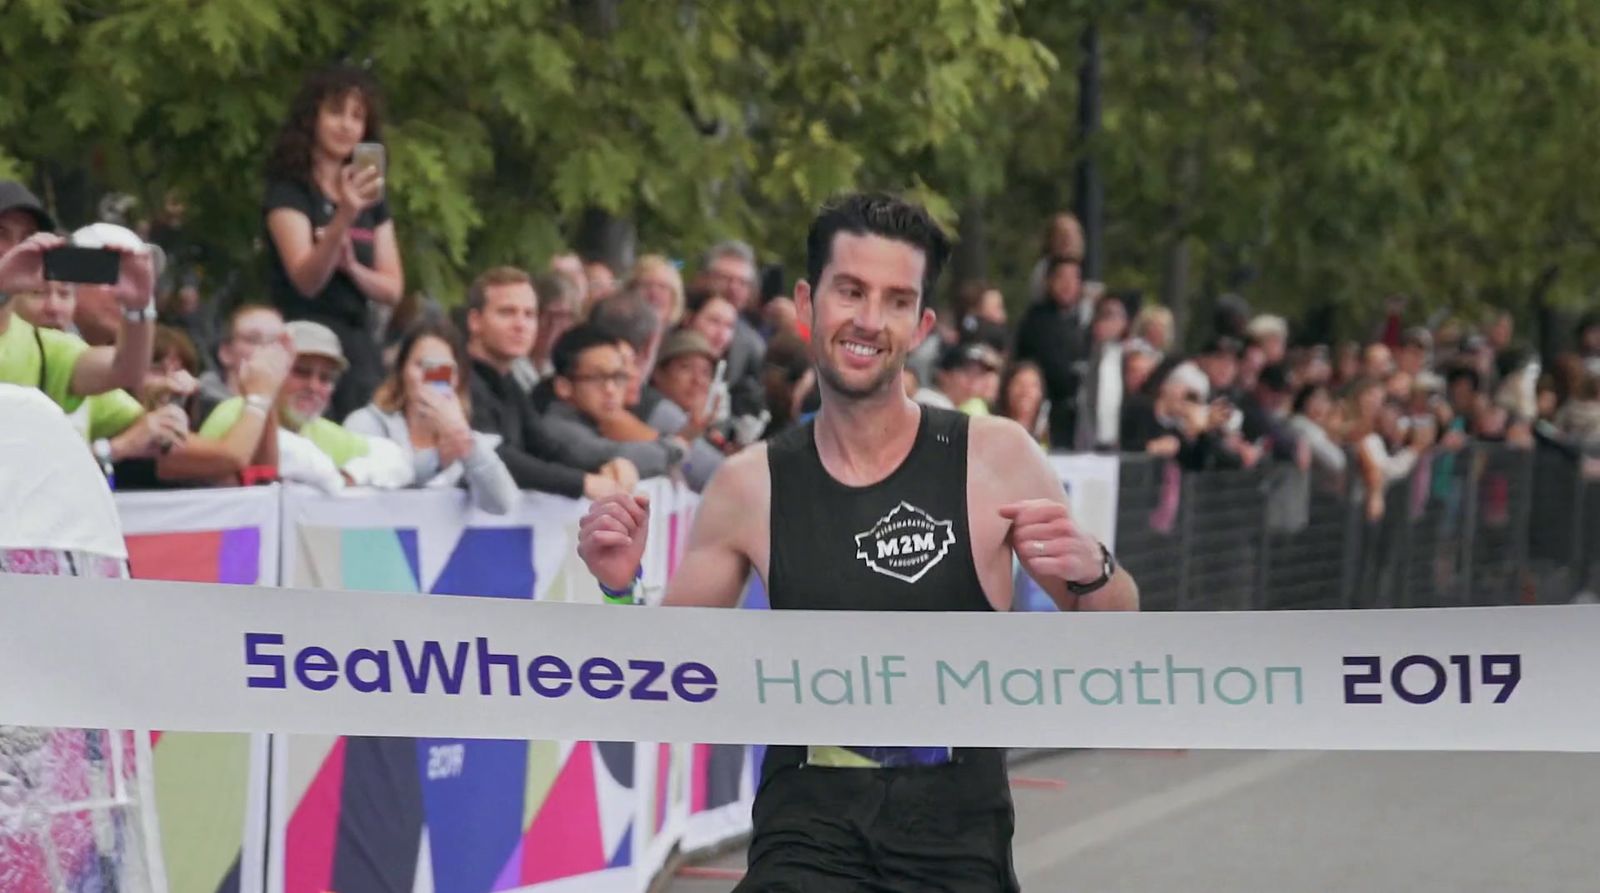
(672, 545)
(699, 774)
(313, 829)
(564, 839)
(663, 783)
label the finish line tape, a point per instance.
(202, 657)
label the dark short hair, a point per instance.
(629, 317)
(878, 214)
(574, 342)
(696, 299)
(1275, 378)
(1302, 397)
(1463, 373)
(1058, 261)
(477, 295)
(1222, 344)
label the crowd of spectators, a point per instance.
(577, 379)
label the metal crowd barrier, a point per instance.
(1490, 524)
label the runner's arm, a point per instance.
(716, 565)
(1023, 472)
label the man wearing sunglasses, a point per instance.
(313, 449)
(591, 389)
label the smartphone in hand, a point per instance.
(718, 386)
(370, 155)
(438, 376)
(91, 266)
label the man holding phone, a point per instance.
(63, 366)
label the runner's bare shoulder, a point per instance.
(738, 496)
(998, 447)
(743, 485)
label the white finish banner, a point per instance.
(235, 658)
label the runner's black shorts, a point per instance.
(940, 829)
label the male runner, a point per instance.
(888, 819)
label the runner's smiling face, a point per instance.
(866, 313)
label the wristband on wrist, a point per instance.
(102, 454)
(621, 596)
(145, 314)
(251, 475)
(258, 402)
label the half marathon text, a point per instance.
(1027, 686)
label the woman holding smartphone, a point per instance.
(330, 240)
(423, 406)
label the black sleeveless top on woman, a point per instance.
(901, 544)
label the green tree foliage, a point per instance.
(1303, 153)
(510, 118)
(1316, 153)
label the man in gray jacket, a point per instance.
(591, 386)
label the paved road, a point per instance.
(1298, 822)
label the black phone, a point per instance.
(69, 263)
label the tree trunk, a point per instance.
(1548, 322)
(1089, 196)
(1175, 279)
(1175, 284)
(971, 256)
(605, 237)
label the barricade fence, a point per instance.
(271, 813)
(1491, 524)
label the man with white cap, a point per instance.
(313, 449)
(63, 366)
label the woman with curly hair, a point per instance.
(330, 240)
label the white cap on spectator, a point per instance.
(1193, 379)
(1267, 324)
(1140, 346)
(110, 235)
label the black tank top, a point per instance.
(901, 544)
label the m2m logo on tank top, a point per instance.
(906, 543)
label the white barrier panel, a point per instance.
(1091, 482)
(232, 658)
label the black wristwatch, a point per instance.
(1108, 566)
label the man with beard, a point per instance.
(793, 508)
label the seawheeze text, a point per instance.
(431, 666)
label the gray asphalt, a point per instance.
(1298, 822)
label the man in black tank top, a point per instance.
(878, 504)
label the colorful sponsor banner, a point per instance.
(203, 536)
(228, 658)
(458, 814)
(210, 789)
